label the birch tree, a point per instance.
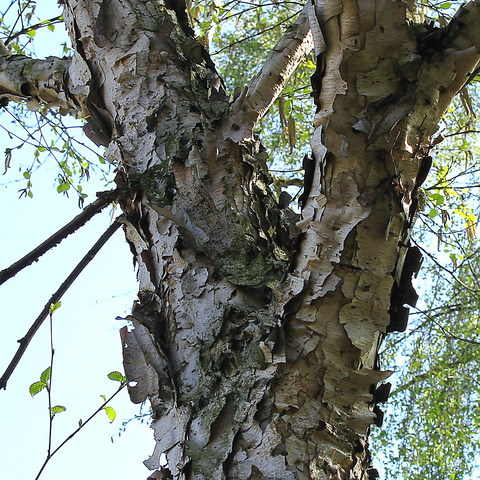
(256, 332)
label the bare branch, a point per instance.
(80, 220)
(55, 298)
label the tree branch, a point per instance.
(99, 409)
(37, 26)
(55, 298)
(463, 55)
(80, 220)
(56, 82)
(280, 64)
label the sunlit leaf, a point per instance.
(36, 387)
(46, 374)
(117, 377)
(57, 409)
(110, 413)
(63, 187)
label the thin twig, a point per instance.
(19, 17)
(122, 386)
(50, 21)
(442, 267)
(249, 37)
(80, 220)
(49, 388)
(55, 298)
(452, 335)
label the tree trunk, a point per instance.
(256, 332)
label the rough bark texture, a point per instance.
(256, 332)
(41, 81)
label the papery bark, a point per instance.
(257, 343)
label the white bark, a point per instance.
(281, 63)
(55, 82)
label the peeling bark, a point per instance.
(256, 332)
(43, 81)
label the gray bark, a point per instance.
(256, 332)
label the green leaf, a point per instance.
(36, 387)
(80, 423)
(31, 33)
(117, 377)
(433, 213)
(446, 5)
(26, 175)
(55, 306)
(46, 374)
(63, 187)
(110, 413)
(437, 198)
(57, 409)
(51, 27)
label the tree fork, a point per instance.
(275, 371)
(256, 334)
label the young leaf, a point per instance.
(63, 187)
(45, 376)
(80, 423)
(57, 409)
(437, 198)
(117, 377)
(281, 111)
(36, 387)
(291, 133)
(55, 306)
(110, 413)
